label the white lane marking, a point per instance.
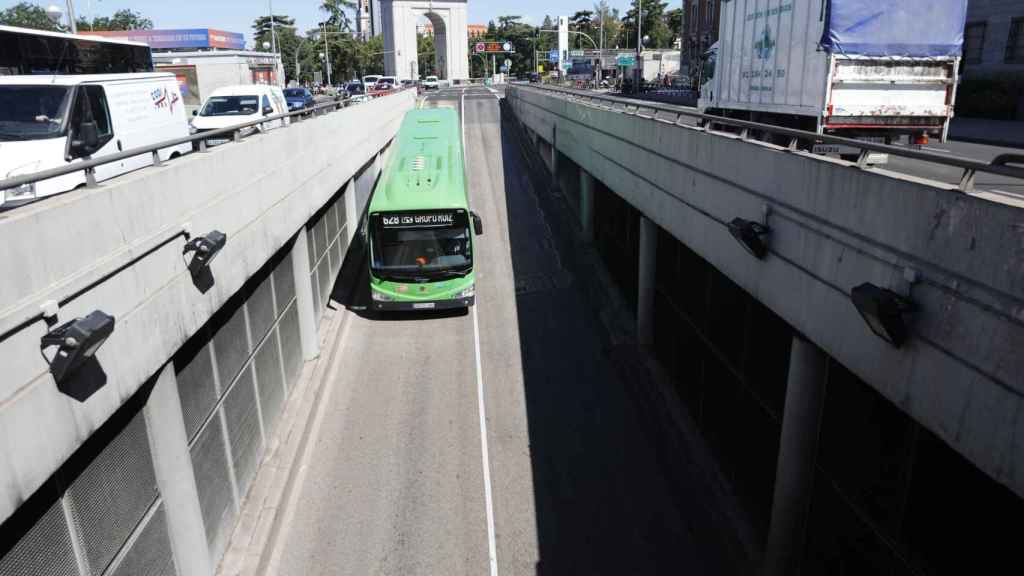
(492, 548)
(937, 149)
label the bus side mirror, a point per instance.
(478, 224)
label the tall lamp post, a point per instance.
(638, 67)
(327, 53)
(54, 14)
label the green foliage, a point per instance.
(121, 20)
(425, 55)
(337, 13)
(652, 24)
(28, 15)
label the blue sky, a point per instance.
(237, 15)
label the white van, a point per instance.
(235, 105)
(369, 81)
(52, 121)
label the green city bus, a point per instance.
(419, 226)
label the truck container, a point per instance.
(863, 69)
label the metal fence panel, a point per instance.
(243, 420)
(113, 494)
(213, 482)
(44, 550)
(150, 554)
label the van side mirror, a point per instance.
(478, 224)
(195, 112)
(86, 140)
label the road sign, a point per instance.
(494, 47)
(508, 64)
(553, 56)
(625, 60)
(576, 53)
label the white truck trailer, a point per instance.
(862, 69)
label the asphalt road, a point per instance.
(397, 485)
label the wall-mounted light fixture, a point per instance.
(77, 342)
(753, 236)
(204, 249)
(884, 311)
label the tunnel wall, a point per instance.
(877, 504)
(259, 192)
(835, 226)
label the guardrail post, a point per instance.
(156, 158)
(798, 445)
(745, 134)
(236, 135)
(862, 159)
(90, 177)
(202, 145)
(967, 180)
(793, 141)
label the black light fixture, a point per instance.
(204, 249)
(884, 311)
(751, 235)
(77, 342)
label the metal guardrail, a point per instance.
(233, 132)
(1000, 165)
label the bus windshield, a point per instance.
(414, 244)
(32, 112)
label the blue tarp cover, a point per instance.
(895, 27)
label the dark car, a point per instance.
(533, 77)
(298, 99)
(354, 87)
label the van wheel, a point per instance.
(175, 155)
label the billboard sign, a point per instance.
(179, 38)
(553, 56)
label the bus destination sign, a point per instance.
(419, 219)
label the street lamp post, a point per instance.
(54, 14)
(638, 67)
(327, 52)
(273, 28)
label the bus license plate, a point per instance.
(422, 305)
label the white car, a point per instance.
(53, 121)
(360, 98)
(430, 83)
(235, 105)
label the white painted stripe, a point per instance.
(492, 548)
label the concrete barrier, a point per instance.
(259, 192)
(835, 226)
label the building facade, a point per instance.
(994, 37)
(700, 30)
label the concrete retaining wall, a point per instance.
(259, 192)
(835, 226)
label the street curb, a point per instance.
(259, 525)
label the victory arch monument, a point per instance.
(451, 38)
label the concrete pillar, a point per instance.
(645, 288)
(798, 446)
(587, 185)
(304, 297)
(351, 211)
(554, 156)
(172, 464)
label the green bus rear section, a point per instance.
(425, 172)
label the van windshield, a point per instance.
(32, 112)
(231, 106)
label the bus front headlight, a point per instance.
(469, 292)
(381, 297)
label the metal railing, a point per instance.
(236, 133)
(706, 122)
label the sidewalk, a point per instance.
(984, 131)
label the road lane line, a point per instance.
(492, 549)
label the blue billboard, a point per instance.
(180, 38)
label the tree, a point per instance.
(337, 13)
(610, 18)
(264, 32)
(582, 21)
(653, 25)
(28, 15)
(674, 20)
(425, 54)
(121, 20)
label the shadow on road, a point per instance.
(606, 503)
